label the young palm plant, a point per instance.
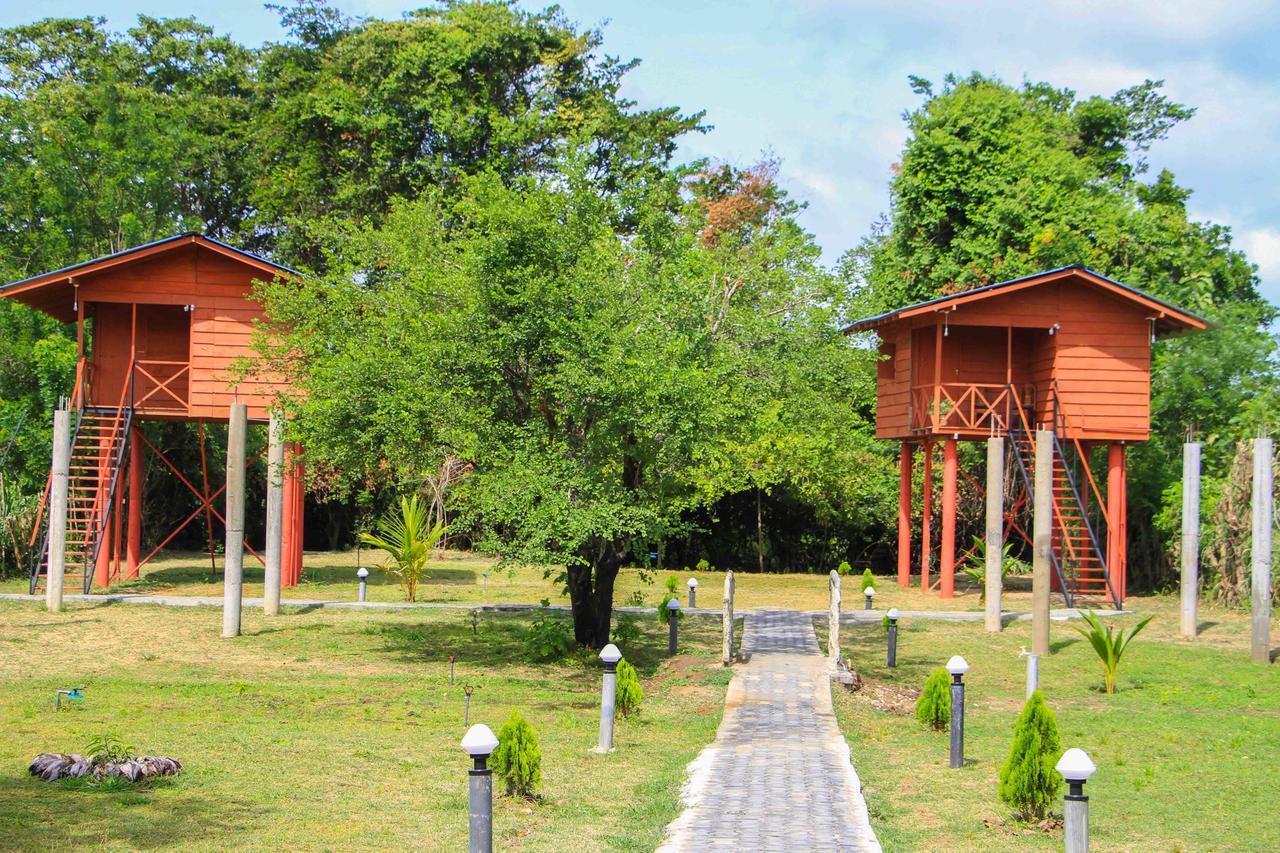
(1109, 645)
(408, 538)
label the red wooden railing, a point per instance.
(963, 407)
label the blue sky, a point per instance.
(823, 83)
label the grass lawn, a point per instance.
(1186, 749)
(328, 729)
(458, 577)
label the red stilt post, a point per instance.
(286, 525)
(102, 565)
(1116, 488)
(904, 516)
(117, 539)
(300, 496)
(137, 476)
(926, 500)
(950, 463)
(291, 533)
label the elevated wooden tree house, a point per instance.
(158, 327)
(1067, 351)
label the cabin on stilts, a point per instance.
(158, 327)
(1067, 351)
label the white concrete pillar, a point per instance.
(1261, 552)
(56, 558)
(275, 514)
(833, 619)
(233, 558)
(1042, 543)
(1190, 536)
(727, 649)
(995, 531)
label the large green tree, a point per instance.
(998, 181)
(598, 381)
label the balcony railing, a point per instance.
(161, 385)
(966, 407)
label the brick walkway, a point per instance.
(778, 775)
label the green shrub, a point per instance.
(628, 693)
(703, 566)
(517, 761)
(844, 568)
(407, 537)
(672, 587)
(1110, 647)
(867, 579)
(1028, 781)
(933, 708)
(548, 637)
(626, 631)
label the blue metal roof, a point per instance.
(868, 322)
(175, 238)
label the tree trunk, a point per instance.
(759, 530)
(591, 596)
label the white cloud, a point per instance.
(1262, 245)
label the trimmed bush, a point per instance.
(844, 568)
(867, 579)
(702, 566)
(517, 761)
(672, 584)
(933, 708)
(1028, 781)
(628, 693)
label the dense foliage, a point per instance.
(1028, 780)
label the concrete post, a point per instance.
(1033, 674)
(480, 744)
(1075, 814)
(1190, 536)
(275, 515)
(726, 652)
(233, 558)
(1042, 539)
(57, 556)
(995, 531)
(833, 619)
(693, 592)
(1261, 553)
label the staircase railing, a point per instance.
(1060, 429)
(1023, 426)
(119, 437)
(40, 529)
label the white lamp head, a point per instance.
(1075, 765)
(870, 591)
(957, 665)
(610, 654)
(693, 583)
(362, 573)
(673, 604)
(893, 613)
(479, 740)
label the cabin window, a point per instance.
(888, 355)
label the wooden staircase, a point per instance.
(1078, 558)
(99, 442)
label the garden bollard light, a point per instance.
(466, 712)
(363, 574)
(673, 625)
(870, 593)
(893, 637)
(693, 592)
(480, 743)
(610, 655)
(957, 666)
(1076, 767)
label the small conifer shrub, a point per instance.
(1028, 780)
(867, 579)
(933, 708)
(672, 585)
(627, 693)
(518, 760)
(844, 568)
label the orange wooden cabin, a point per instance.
(1066, 350)
(158, 329)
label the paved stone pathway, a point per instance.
(778, 776)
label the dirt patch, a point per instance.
(689, 666)
(889, 697)
(695, 691)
